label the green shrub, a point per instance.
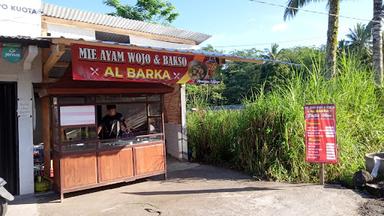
(266, 139)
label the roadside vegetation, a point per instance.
(266, 138)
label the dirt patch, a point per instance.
(373, 207)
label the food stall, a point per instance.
(99, 81)
(82, 159)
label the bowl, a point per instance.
(370, 162)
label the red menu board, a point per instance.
(320, 133)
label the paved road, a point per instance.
(198, 190)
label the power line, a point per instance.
(265, 43)
(299, 9)
(314, 12)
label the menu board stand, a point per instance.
(320, 136)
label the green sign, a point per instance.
(11, 52)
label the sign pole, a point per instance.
(322, 174)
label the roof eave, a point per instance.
(23, 40)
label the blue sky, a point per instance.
(240, 24)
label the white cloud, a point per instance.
(253, 20)
(279, 27)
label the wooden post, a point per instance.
(46, 122)
(322, 174)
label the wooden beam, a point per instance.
(56, 52)
(102, 28)
(61, 64)
(45, 55)
(93, 91)
(50, 80)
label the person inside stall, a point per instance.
(151, 127)
(112, 125)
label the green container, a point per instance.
(43, 186)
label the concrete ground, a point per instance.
(194, 189)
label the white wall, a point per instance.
(176, 134)
(20, 17)
(15, 72)
(70, 32)
(173, 138)
(9, 71)
(183, 134)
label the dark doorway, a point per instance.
(8, 136)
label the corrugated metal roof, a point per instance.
(25, 40)
(56, 11)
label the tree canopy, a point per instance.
(240, 80)
(157, 11)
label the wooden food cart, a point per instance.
(80, 159)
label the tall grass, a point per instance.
(266, 139)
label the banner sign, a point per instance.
(320, 133)
(100, 63)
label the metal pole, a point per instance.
(322, 174)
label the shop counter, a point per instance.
(92, 164)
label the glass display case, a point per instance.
(76, 128)
(105, 139)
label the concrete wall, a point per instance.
(17, 72)
(175, 133)
(173, 138)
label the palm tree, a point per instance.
(343, 45)
(273, 53)
(333, 28)
(377, 42)
(359, 38)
